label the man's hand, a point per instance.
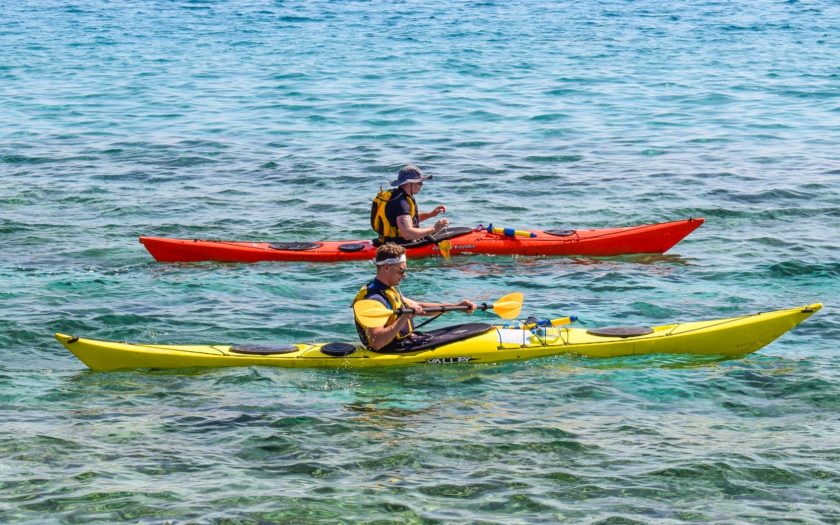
(418, 309)
(471, 306)
(411, 316)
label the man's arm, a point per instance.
(379, 337)
(469, 304)
(429, 214)
(410, 233)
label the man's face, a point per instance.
(413, 188)
(396, 272)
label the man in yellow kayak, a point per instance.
(398, 330)
(394, 214)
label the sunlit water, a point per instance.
(280, 120)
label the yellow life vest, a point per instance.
(379, 219)
(395, 301)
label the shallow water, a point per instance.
(279, 121)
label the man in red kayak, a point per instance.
(394, 214)
(398, 330)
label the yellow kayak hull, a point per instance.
(733, 336)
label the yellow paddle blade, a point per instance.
(445, 246)
(371, 314)
(509, 306)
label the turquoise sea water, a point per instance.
(279, 120)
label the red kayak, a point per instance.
(646, 238)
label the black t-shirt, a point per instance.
(400, 205)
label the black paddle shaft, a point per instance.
(445, 308)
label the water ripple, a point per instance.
(278, 122)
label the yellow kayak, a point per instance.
(470, 343)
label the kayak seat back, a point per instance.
(620, 331)
(294, 246)
(263, 349)
(443, 235)
(435, 338)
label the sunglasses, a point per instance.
(402, 270)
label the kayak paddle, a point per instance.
(373, 314)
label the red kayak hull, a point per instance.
(646, 238)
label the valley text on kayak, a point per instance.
(398, 330)
(394, 215)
